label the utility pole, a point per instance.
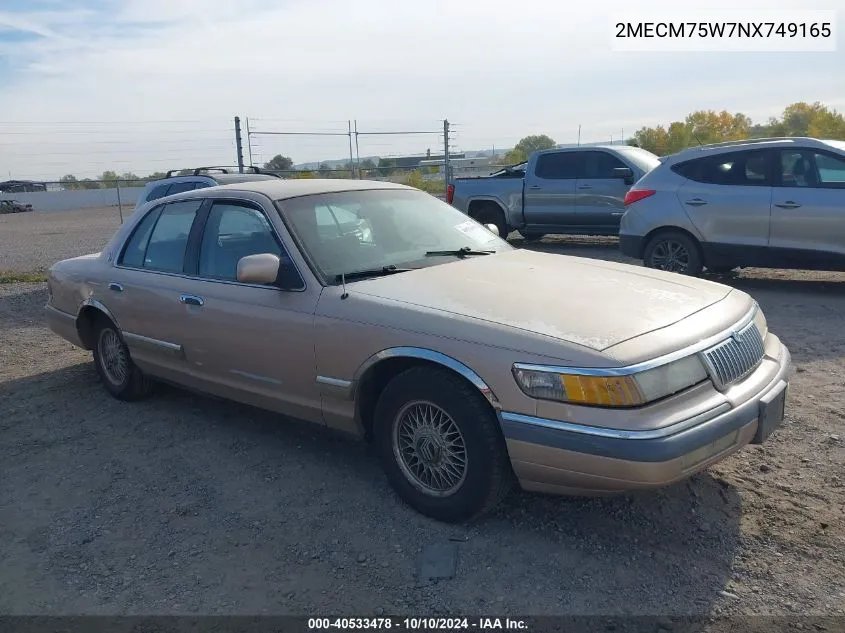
(357, 153)
(239, 145)
(446, 163)
(351, 157)
(579, 135)
(248, 142)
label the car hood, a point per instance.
(592, 303)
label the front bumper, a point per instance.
(566, 458)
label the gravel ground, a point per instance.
(185, 504)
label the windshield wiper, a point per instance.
(461, 252)
(373, 272)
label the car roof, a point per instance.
(752, 143)
(278, 189)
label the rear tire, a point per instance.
(440, 445)
(492, 214)
(119, 375)
(673, 251)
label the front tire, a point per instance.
(440, 445)
(119, 375)
(675, 252)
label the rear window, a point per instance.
(735, 168)
(558, 165)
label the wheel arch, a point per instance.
(672, 229)
(376, 372)
(86, 318)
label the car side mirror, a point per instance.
(625, 173)
(259, 269)
(492, 228)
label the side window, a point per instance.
(202, 184)
(133, 254)
(736, 168)
(158, 192)
(796, 169)
(831, 171)
(179, 187)
(233, 231)
(558, 165)
(166, 248)
(600, 165)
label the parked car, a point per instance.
(13, 206)
(256, 292)
(570, 190)
(769, 203)
(179, 180)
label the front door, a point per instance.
(599, 196)
(808, 210)
(250, 342)
(549, 198)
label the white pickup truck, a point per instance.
(568, 190)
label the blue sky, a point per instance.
(145, 85)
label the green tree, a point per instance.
(69, 182)
(108, 178)
(279, 163)
(527, 145)
(87, 183)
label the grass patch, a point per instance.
(29, 277)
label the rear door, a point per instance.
(599, 195)
(143, 294)
(808, 209)
(728, 198)
(549, 198)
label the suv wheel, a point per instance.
(673, 252)
(440, 445)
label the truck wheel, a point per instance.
(492, 214)
(674, 252)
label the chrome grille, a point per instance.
(735, 357)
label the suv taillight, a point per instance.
(635, 195)
(450, 193)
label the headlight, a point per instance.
(760, 322)
(611, 391)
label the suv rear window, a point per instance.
(735, 168)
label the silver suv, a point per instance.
(768, 203)
(179, 180)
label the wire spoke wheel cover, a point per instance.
(670, 256)
(113, 357)
(429, 448)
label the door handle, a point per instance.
(696, 202)
(585, 187)
(617, 213)
(789, 204)
(113, 285)
(191, 300)
(535, 187)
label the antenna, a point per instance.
(343, 283)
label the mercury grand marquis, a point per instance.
(474, 366)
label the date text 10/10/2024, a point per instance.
(418, 624)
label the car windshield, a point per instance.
(840, 145)
(642, 158)
(375, 230)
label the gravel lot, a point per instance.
(184, 504)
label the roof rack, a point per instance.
(197, 171)
(752, 141)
